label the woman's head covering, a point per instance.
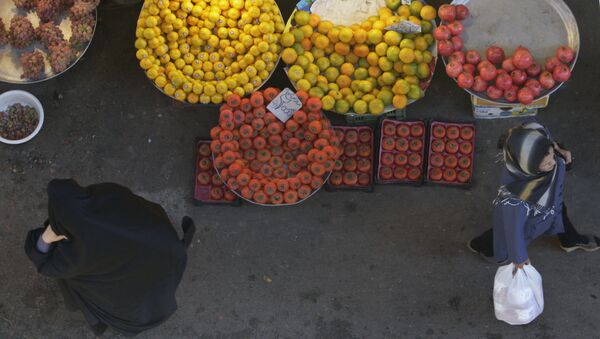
(524, 150)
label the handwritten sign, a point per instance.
(459, 2)
(285, 105)
(405, 27)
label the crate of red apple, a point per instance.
(498, 76)
(209, 187)
(401, 152)
(451, 149)
(354, 168)
(266, 161)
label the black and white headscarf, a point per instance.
(524, 149)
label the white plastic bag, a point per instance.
(518, 299)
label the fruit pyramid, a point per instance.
(204, 51)
(361, 68)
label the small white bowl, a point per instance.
(23, 98)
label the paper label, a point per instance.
(405, 27)
(304, 5)
(459, 2)
(285, 105)
(406, 2)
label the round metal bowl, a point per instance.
(10, 66)
(23, 98)
(540, 25)
(424, 84)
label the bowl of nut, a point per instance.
(21, 117)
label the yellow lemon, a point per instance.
(406, 55)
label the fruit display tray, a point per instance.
(401, 152)
(354, 169)
(208, 187)
(541, 34)
(451, 153)
(10, 66)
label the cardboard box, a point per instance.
(484, 109)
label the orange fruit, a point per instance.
(343, 81)
(341, 48)
(347, 69)
(314, 20)
(360, 36)
(361, 50)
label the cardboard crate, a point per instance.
(484, 109)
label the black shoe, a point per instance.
(588, 243)
(472, 245)
(99, 329)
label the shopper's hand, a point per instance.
(49, 236)
(565, 154)
(521, 265)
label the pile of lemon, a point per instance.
(202, 51)
(362, 68)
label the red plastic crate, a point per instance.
(212, 191)
(357, 152)
(452, 153)
(401, 152)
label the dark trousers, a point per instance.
(485, 242)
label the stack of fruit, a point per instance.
(269, 162)
(354, 169)
(513, 78)
(204, 51)
(363, 68)
(209, 186)
(451, 153)
(401, 151)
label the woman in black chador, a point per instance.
(116, 256)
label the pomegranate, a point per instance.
(456, 28)
(547, 80)
(511, 94)
(561, 73)
(507, 65)
(461, 12)
(447, 12)
(453, 69)
(525, 96)
(534, 86)
(488, 73)
(551, 63)
(479, 85)
(445, 48)
(522, 58)
(518, 77)
(442, 32)
(469, 68)
(457, 56)
(565, 54)
(465, 80)
(473, 57)
(504, 81)
(494, 92)
(457, 43)
(534, 70)
(483, 63)
(495, 54)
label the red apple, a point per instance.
(442, 32)
(439, 131)
(504, 81)
(457, 43)
(494, 92)
(473, 57)
(469, 68)
(495, 54)
(547, 80)
(445, 48)
(447, 12)
(518, 77)
(484, 63)
(436, 160)
(551, 63)
(534, 70)
(465, 80)
(456, 28)
(534, 86)
(453, 69)
(511, 94)
(507, 65)
(435, 174)
(561, 73)
(461, 12)
(522, 59)
(525, 96)
(565, 54)
(458, 56)
(452, 146)
(488, 73)
(479, 85)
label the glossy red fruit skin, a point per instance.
(525, 96)
(442, 32)
(466, 133)
(458, 56)
(435, 174)
(453, 69)
(494, 92)
(445, 48)
(472, 57)
(518, 77)
(534, 70)
(534, 86)
(507, 65)
(456, 28)
(495, 55)
(457, 43)
(511, 94)
(484, 63)
(488, 73)
(469, 68)
(438, 145)
(452, 146)
(479, 85)
(447, 12)
(462, 12)
(436, 160)
(561, 73)
(522, 59)
(547, 80)
(504, 82)
(452, 132)
(464, 176)
(551, 63)
(439, 131)
(465, 80)
(565, 54)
